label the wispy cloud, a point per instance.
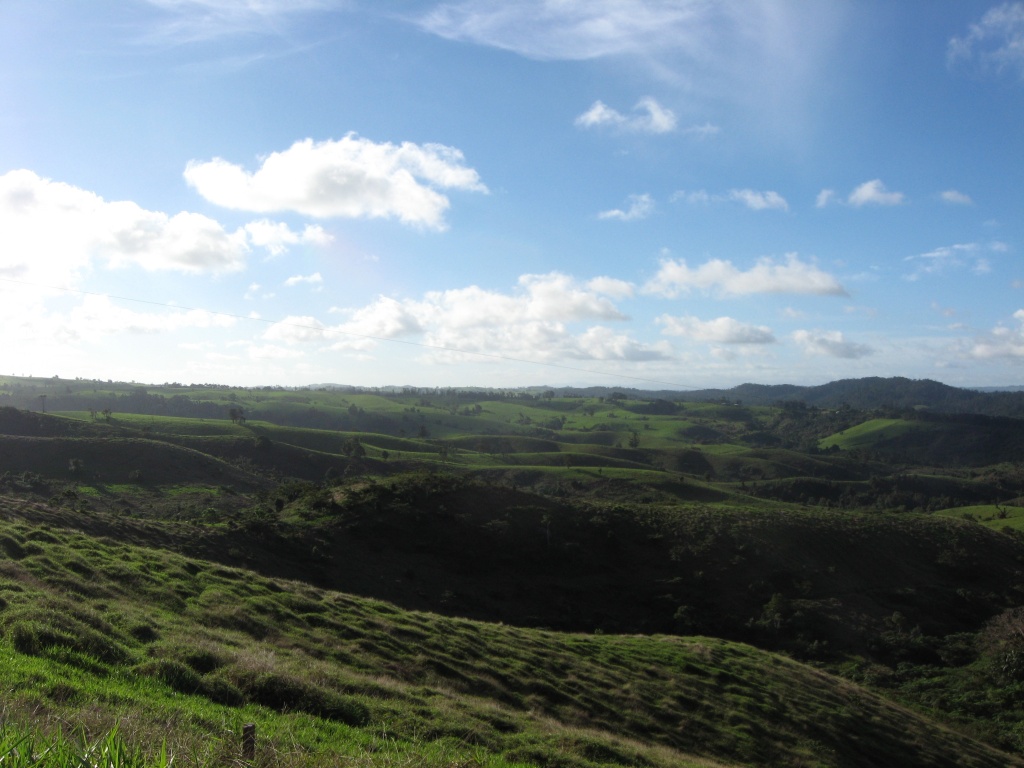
(648, 117)
(951, 257)
(954, 197)
(755, 200)
(314, 279)
(760, 53)
(640, 207)
(721, 330)
(994, 44)
(767, 276)
(830, 344)
(703, 131)
(189, 21)
(348, 178)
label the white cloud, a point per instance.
(994, 44)
(52, 231)
(830, 344)
(1001, 342)
(950, 257)
(874, 193)
(94, 319)
(824, 198)
(766, 276)
(199, 20)
(349, 178)
(693, 197)
(753, 199)
(611, 286)
(652, 117)
(272, 352)
(640, 207)
(296, 329)
(703, 131)
(98, 316)
(721, 330)
(765, 55)
(759, 201)
(955, 198)
(600, 343)
(533, 322)
(313, 279)
(277, 236)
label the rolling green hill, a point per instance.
(628, 570)
(175, 648)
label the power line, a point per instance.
(291, 324)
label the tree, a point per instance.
(237, 415)
(634, 440)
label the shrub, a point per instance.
(177, 676)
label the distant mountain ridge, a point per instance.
(870, 393)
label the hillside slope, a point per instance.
(105, 631)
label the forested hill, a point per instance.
(862, 394)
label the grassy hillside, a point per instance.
(97, 632)
(460, 578)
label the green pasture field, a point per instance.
(159, 658)
(995, 516)
(866, 434)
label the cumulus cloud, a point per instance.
(954, 197)
(830, 344)
(648, 117)
(54, 231)
(721, 330)
(314, 279)
(277, 236)
(792, 275)
(995, 44)
(1001, 341)
(534, 322)
(348, 178)
(759, 201)
(874, 193)
(611, 286)
(640, 207)
(824, 198)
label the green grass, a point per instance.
(997, 516)
(871, 432)
(179, 651)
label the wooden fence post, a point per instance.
(249, 742)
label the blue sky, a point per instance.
(672, 193)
